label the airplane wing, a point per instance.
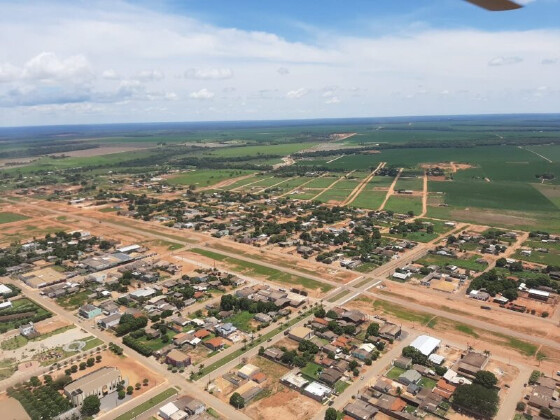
(496, 5)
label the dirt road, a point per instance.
(362, 185)
(332, 185)
(391, 190)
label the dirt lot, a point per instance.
(11, 409)
(130, 369)
(538, 306)
(49, 325)
(285, 404)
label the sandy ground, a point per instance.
(286, 404)
(51, 324)
(11, 409)
(130, 369)
(100, 151)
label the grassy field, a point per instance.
(7, 217)
(73, 301)
(416, 184)
(369, 199)
(552, 257)
(266, 149)
(242, 320)
(338, 296)
(271, 274)
(206, 177)
(441, 260)
(404, 204)
(311, 370)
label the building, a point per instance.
(411, 376)
(471, 363)
(293, 380)
(170, 411)
(177, 358)
(215, 343)
(538, 294)
(89, 311)
(4, 290)
(28, 330)
(42, 278)
(360, 410)
(426, 344)
(248, 371)
(190, 405)
(100, 382)
(390, 331)
(403, 362)
(225, 330)
(110, 321)
(330, 376)
(300, 333)
(317, 391)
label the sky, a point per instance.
(88, 61)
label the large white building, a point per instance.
(100, 382)
(426, 344)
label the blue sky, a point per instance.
(189, 60)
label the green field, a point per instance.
(23, 305)
(271, 274)
(552, 257)
(7, 217)
(441, 260)
(267, 149)
(415, 184)
(206, 177)
(403, 204)
(242, 320)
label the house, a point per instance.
(89, 311)
(390, 331)
(403, 362)
(226, 329)
(330, 376)
(170, 411)
(109, 307)
(426, 344)
(202, 333)
(182, 338)
(263, 318)
(215, 343)
(248, 371)
(109, 321)
(28, 330)
(360, 410)
(479, 295)
(317, 391)
(353, 316)
(444, 389)
(409, 377)
(177, 320)
(470, 363)
(99, 382)
(294, 380)
(190, 405)
(273, 354)
(177, 358)
(300, 333)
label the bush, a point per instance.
(129, 390)
(122, 394)
(237, 400)
(520, 406)
(91, 405)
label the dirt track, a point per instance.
(391, 190)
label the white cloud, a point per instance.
(332, 100)
(47, 66)
(202, 94)
(504, 61)
(150, 75)
(296, 94)
(209, 74)
(110, 74)
(548, 61)
(283, 71)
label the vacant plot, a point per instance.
(404, 204)
(442, 261)
(206, 177)
(369, 199)
(416, 184)
(7, 217)
(547, 253)
(270, 274)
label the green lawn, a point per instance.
(73, 301)
(340, 386)
(441, 260)
(403, 204)
(271, 274)
(427, 383)
(13, 343)
(395, 372)
(311, 370)
(7, 217)
(338, 296)
(369, 199)
(152, 402)
(241, 320)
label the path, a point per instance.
(362, 185)
(300, 186)
(332, 185)
(391, 190)
(237, 189)
(226, 183)
(538, 154)
(274, 185)
(425, 196)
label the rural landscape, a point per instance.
(387, 268)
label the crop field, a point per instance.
(506, 196)
(268, 149)
(370, 200)
(7, 217)
(404, 204)
(206, 177)
(415, 184)
(322, 182)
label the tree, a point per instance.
(122, 394)
(91, 405)
(485, 378)
(261, 351)
(90, 362)
(476, 399)
(47, 379)
(129, 389)
(83, 365)
(145, 381)
(34, 381)
(372, 329)
(138, 386)
(98, 358)
(331, 414)
(520, 406)
(237, 400)
(546, 413)
(320, 312)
